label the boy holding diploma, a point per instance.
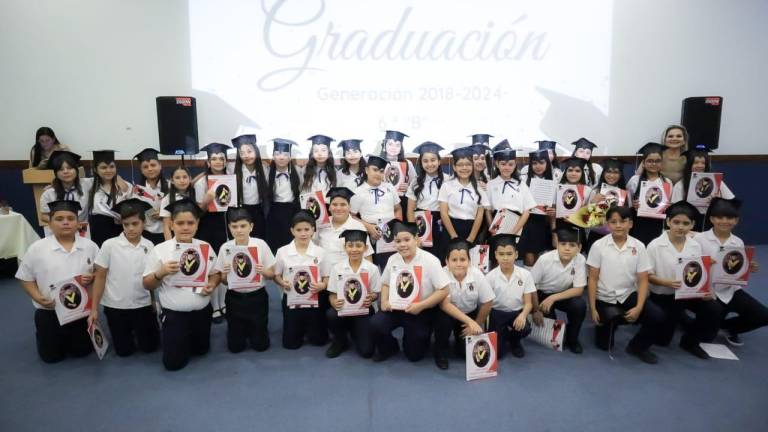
(418, 275)
(245, 263)
(48, 261)
(353, 287)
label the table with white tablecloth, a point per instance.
(16, 235)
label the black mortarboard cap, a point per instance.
(547, 145)
(395, 135)
(396, 226)
(570, 235)
(483, 139)
(502, 145)
(505, 240)
(244, 139)
(214, 148)
(458, 243)
(59, 156)
(377, 161)
(106, 156)
(321, 139)
(428, 147)
(132, 204)
(698, 150)
(235, 214)
(64, 205)
(147, 154)
(651, 147)
(184, 204)
(463, 152)
(282, 145)
(352, 235)
(349, 144)
(505, 155)
(584, 143)
(572, 161)
(540, 154)
(339, 192)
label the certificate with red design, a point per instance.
(481, 352)
(300, 278)
(242, 273)
(479, 256)
(224, 189)
(654, 199)
(703, 187)
(98, 339)
(71, 299)
(404, 286)
(570, 198)
(504, 222)
(314, 202)
(353, 289)
(549, 335)
(693, 274)
(424, 223)
(732, 267)
(193, 265)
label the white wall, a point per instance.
(90, 69)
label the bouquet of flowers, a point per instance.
(591, 215)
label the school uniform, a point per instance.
(282, 208)
(551, 277)
(247, 308)
(750, 313)
(410, 174)
(678, 194)
(328, 239)
(356, 326)
(617, 291)
(664, 258)
(508, 304)
(537, 232)
(46, 263)
(71, 194)
(375, 205)
(462, 206)
(468, 295)
(251, 200)
(557, 173)
(427, 201)
(301, 322)
(596, 233)
(103, 221)
(213, 225)
(644, 229)
(512, 195)
(320, 180)
(416, 328)
(164, 212)
(127, 304)
(153, 226)
(350, 181)
(186, 316)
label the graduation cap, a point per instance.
(60, 156)
(537, 155)
(572, 162)
(682, 207)
(64, 205)
(612, 163)
(349, 144)
(394, 135)
(480, 149)
(377, 161)
(106, 156)
(723, 207)
(458, 243)
(352, 235)
(282, 145)
(235, 214)
(505, 155)
(147, 154)
(568, 235)
(342, 192)
(184, 205)
(584, 143)
(650, 148)
(130, 207)
(481, 138)
(502, 145)
(396, 226)
(244, 139)
(214, 148)
(500, 240)
(428, 147)
(549, 145)
(321, 140)
(463, 152)
(698, 150)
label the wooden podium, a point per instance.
(39, 179)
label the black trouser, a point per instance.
(301, 322)
(185, 334)
(575, 309)
(444, 326)
(751, 314)
(503, 324)
(55, 342)
(704, 327)
(416, 332)
(356, 326)
(130, 327)
(247, 320)
(611, 315)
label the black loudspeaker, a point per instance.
(701, 116)
(177, 125)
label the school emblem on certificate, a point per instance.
(614, 196)
(243, 261)
(193, 265)
(693, 273)
(224, 189)
(481, 356)
(424, 223)
(72, 300)
(314, 202)
(354, 289)
(99, 341)
(549, 335)
(385, 243)
(405, 286)
(543, 191)
(703, 187)
(479, 257)
(504, 222)
(732, 266)
(570, 198)
(654, 199)
(300, 277)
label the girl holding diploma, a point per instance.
(462, 203)
(423, 192)
(355, 245)
(151, 179)
(551, 149)
(507, 192)
(247, 306)
(252, 190)
(723, 215)
(537, 233)
(47, 262)
(612, 175)
(416, 318)
(664, 252)
(180, 188)
(186, 316)
(467, 306)
(300, 320)
(284, 181)
(108, 189)
(646, 229)
(392, 151)
(66, 185)
(573, 174)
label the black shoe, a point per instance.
(575, 347)
(441, 362)
(646, 356)
(733, 339)
(336, 349)
(695, 349)
(380, 356)
(517, 351)
(218, 317)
